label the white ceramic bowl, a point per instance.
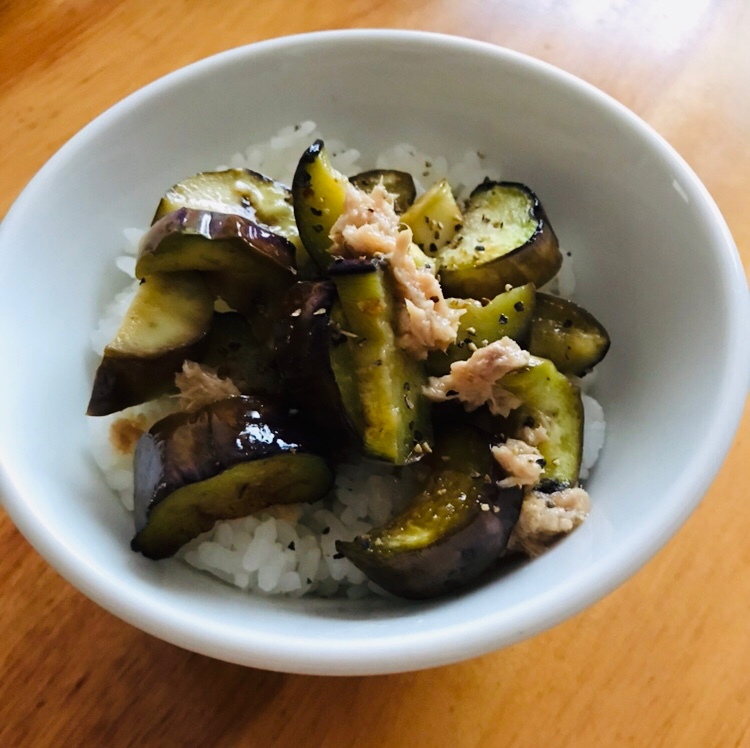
(654, 260)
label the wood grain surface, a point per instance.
(663, 661)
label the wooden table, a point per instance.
(663, 661)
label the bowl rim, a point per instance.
(399, 653)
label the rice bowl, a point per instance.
(57, 497)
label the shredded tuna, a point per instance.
(522, 463)
(199, 385)
(369, 226)
(476, 381)
(427, 322)
(534, 436)
(547, 517)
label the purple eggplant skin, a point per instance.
(226, 460)
(305, 337)
(187, 239)
(353, 266)
(453, 531)
(122, 382)
(445, 566)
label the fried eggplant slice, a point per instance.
(229, 459)
(508, 314)
(398, 183)
(189, 239)
(316, 364)
(506, 238)
(318, 193)
(239, 192)
(434, 218)
(236, 350)
(395, 413)
(552, 401)
(568, 335)
(166, 323)
(245, 264)
(454, 529)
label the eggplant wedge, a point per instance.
(245, 264)
(508, 314)
(552, 401)
(166, 323)
(454, 529)
(318, 193)
(239, 192)
(395, 413)
(237, 352)
(569, 336)
(315, 363)
(506, 238)
(434, 218)
(229, 459)
(397, 183)
(189, 239)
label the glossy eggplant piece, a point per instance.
(236, 351)
(315, 363)
(552, 401)
(454, 529)
(318, 193)
(239, 192)
(398, 183)
(569, 336)
(229, 459)
(508, 314)
(345, 373)
(395, 413)
(189, 239)
(166, 323)
(434, 218)
(506, 238)
(255, 297)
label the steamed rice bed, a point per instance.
(291, 550)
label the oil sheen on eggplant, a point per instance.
(454, 529)
(189, 239)
(236, 191)
(228, 459)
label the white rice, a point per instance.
(291, 550)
